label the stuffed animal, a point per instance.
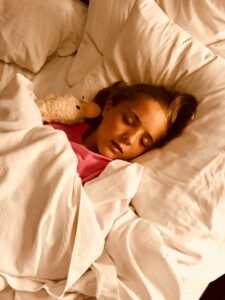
(66, 109)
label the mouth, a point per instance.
(116, 147)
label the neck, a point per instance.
(89, 141)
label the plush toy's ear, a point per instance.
(92, 110)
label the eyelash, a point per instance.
(128, 120)
(146, 145)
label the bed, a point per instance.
(149, 229)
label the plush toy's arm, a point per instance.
(66, 109)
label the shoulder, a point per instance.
(74, 132)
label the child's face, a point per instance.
(130, 128)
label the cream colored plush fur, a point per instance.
(66, 109)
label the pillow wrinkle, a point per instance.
(182, 189)
(31, 31)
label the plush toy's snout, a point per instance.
(66, 109)
(92, 110)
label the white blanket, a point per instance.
(52, 230)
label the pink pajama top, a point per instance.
(90, 164)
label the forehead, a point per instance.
(151, 115)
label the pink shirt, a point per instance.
(90, 164)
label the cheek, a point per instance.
(138, 150)
(135, 150)
(106, 129)
(111, 123)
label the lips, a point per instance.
(117, 147)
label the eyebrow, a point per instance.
(139, 121)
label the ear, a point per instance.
(107, 107)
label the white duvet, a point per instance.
(176, 245)
(52, 229)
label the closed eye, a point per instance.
(128, 119)
(147, 141)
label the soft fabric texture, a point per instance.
(172, 246)
(203, 19)
(52, 227)
(8, 71)
(102, 28)
(90, 164)
(32, 30)
(182, 192)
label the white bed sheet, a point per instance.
(203, 19)
(182, 192)
(129, 232)
(120, 271)
(53, 77)
(8, 71)
(52, 227)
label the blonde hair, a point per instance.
(180, 108)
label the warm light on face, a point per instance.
(129, 129)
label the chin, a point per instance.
(107, 153)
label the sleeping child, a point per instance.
(134, 119)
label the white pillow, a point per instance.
(202, 19)
(33, 30)
(104, 21)
(182, 191)
(148, 50)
